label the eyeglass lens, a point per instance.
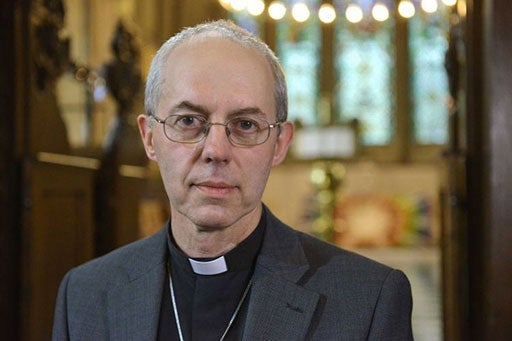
(241, 130)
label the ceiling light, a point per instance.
(226, 4)
(380, 12)
(238, 5)
(449, 2)
(300, 12)
(327, 13)
(276, 10)
(429, 6)
(406, 9)
(354, 13)
(255, 7)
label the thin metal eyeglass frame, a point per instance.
(207, 130)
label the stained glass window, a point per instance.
(247, 21)
(298, 48)
(365, 69)
(427, 45)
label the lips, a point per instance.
(214, 187)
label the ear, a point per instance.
(283, 142)
(146, 134)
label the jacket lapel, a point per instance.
(134, 306)
(279, 308)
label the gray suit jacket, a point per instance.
(303, 289)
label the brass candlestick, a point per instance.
(326, 177)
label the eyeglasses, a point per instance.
(244, 131)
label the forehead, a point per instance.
(213, 50)
(214, 71)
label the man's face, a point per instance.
(214, 184)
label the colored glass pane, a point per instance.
(429, 96)
(365, 66)
(298, 48)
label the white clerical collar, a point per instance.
(212, 267)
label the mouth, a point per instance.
(214, 188)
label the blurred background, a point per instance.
(401, 153)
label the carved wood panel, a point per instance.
(58, 235)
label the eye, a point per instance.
(245, 124)
(187, 121)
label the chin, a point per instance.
(213, 217)
(211, 223)
(219, 216)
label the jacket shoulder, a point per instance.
(331, 267)
(319, 254)
(323, 254)
(125, 263)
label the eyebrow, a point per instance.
(247, 111)
(202, 110)
(190, 106)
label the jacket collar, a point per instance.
(279, 308)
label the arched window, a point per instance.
(388, 74)
(365, 65)
(298, 48)
(428, 43)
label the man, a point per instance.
(224, 267)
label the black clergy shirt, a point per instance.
(206, 303)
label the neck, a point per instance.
(207, 242)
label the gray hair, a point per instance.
(225, 29)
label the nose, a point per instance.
(216, 145)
